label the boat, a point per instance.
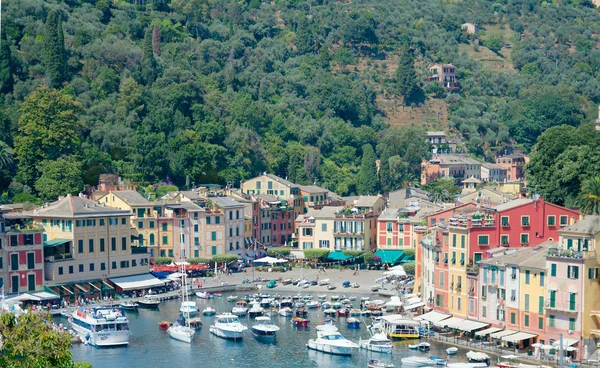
(328, 321)
(228, 326)
(182, 330)
(232, 298)
(271, 312)
(217, 294)
(256, 310)
(472, 365)
(313, 304)
(355, 285)
(452, 351)
(299, 304)
(204, 295)
(163, 325)
(353, 322)
(286, 303)
(424, 346)
(330, 341)
(378, 342)
(343, 312)
(397, 326)
(322, 297)
(330, 287)
(301, 312)
(264, 327)
(352, 298)
(307, 298)
(324, 282)
(364, 298)
(209, 311)
(330, 312)
(240, 309)
(417, 361)
(335, 297)
(129, 306)
(326, 305)
(337, 305)
(101, 326)
(413, 346)
(374, 363)
(300, 322)
(189, 308)
(438, 361)
(286, 281)
(286, 312)
(195, 323)
(355, 312)
(478, 357)
(149, 301)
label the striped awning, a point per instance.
(488, 331)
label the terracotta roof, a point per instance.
(77, 207)
(589, 225)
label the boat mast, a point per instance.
(561, 353)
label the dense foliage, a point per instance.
(198, 91)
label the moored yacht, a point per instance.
(329, 340)
(228, 326)
(378, 342)
(264, 327)
(189, 308)
(240, 309)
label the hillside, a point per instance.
(198, 91)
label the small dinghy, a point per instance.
(452, 351)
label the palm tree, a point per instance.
(6, 156)
(589, 200)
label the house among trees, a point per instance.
(470, 28)
(445, 74)
(441, 142)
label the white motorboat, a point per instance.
(478, 357)
(228, 326)
(364, 298)
(355, 285)
(424, 346)
(375, 363)
(256, 310)
(204, 295)
(330, 341)
(322, 297)
(149, 301)
(209, 311)
(313, 304)
(352, 298)
(264, 327)
(378, 342)
(129, 306)
(330, 312)
(181, 330)
(299, 304)
(102, 326)
(240, 309)
(324, 282)
(417, 361)
(189, 308)
(286, 303)
(232, 298)
(286, 312)
(335, 297)
(451, 351)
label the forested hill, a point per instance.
(198, 91)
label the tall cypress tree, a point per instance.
(367, 182)
(406, 77)
(305, 42)
(54, 50)
(6, 67)
(148, 61)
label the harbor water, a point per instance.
(150, 347)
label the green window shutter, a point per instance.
(553, 270)
(512, 318)
(569, 243)
(541, 305)
(551, 321)
(540, 323)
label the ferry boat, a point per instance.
(101, 326)
(399, 327)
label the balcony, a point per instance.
(139, 250)
(18, 229)
(473, 269)
(63, 257)
(561, 307)
(570, 253)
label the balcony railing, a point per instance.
(139, 250)
(562, 307)
(473, 269)
(570, 253)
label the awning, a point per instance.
(435, 316)
(390, 256)
(338, 256)
(137, 282)
(500, 334)
(469, 326)
(566, 343)
(55, 242)
(450, 322)
(270, 260)
(519, 336)
(488, 331)
(413, 306)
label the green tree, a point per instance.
(225, 258)
(58, 178)
(198, 260)
(48, 129)
(29, 341)
(278, 252)
(54, 50)
(316, 254)
(148, 65)
(407, 83)
(441, 190)
(6, 156)
(409, 268)
(494, 41)
(162, 260)
(305, 41)
(367, 182)
(6, 64)
(589, 200)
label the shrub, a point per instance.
(409, 268)
(353, 253)
(278, 252)
(225, 258)
(198, 260)
(162, 260)
(320, 254)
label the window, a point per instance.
(526, 323)
(572, 301)
(195, 228)
(81, 268)
(540, 323)
(230, 232)
(165, 240)
(80, 246)
(541, 304)
(477, 258)
(102, 248)
(123, 243)
(462, 259)
(524, 220)
(30, 261)
(483, 240)
(323, 243)
(551, 321)
(91, 245)
(70, 269)
(214, 235)
(151, 239)
(453, 257)
(504, 239)
(542, 278)
(551, 220)
(140, 224)
(564, 220)
(513, 318)
(164, 225)
(572, 324)
(553, 269)
(114, 265)
(459, 303)
(217, 220)
(442, 278)
(527, 277)
(592, 273)
(454, 240)
(91, 267)
(569, 243)
(123, 221)
(151, 224)
(504, 221)
(526, 302)
(102, 266)
(389, 227)
(389, 241)
(484, 311)
(60, 270)
(483, 292)
(101, 222)
(524, 238)
(462, 241)
(552, 298)
(573, 272)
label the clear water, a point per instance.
(150, 347)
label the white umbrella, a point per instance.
(548, 347)
(510, 356)
(536, 345)
(571, 348)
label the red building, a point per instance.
(21, 254)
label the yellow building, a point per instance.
(315, 229)
(458, 258)
(85, 240)
(533, 280)
(276, 186)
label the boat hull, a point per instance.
(329, 349)
(263, 333)
(148, 305)
(385, 349)
(185, 335)
(226, 334)
(103, 338)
